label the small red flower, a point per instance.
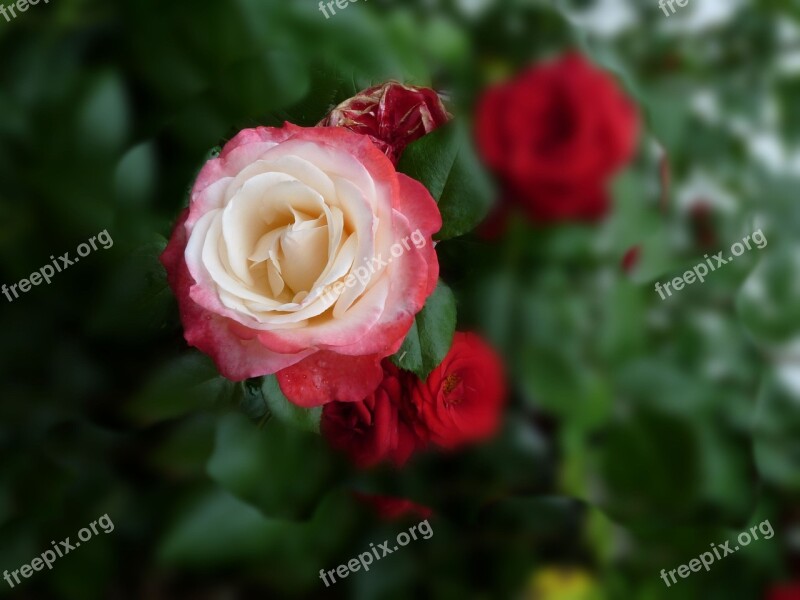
(462, 398)
(389, 508)
(631, 258)
(377, 428)
(392, 114)
(555, 135)
(788, 591)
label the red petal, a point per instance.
(326, 376)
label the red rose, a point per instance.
(377, 428)
(391, 509)
(279, 263)
(555, 135)
(787, 591)
(462, 398)
(392, 114)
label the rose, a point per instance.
(377, 428)
(279, 217)
(788, 591)
(462, 398)
(555, 135)
(392, 114)
(390, 508)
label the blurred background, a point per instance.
(638, 431)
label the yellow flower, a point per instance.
(558, 583)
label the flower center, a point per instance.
(450, 383)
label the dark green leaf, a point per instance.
(137, 288)
(445, 162)
(278, 469)
(191, 382)
(431, 335)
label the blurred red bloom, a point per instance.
(789, 591)
(701, 218)
(392, 114)
(462, 398)
(631, 258)
(377, 428)
(390, 508)
(555, 135)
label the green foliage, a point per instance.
(249, 461)
(638, 430)
(431, 335)
(306, 419)
(189, 383)
(445, 162)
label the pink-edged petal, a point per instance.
(327, 376)
(418, 206)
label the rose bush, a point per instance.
(555, 135)
(392, 114)
(281, 262)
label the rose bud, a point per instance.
(376, 428)
(462, 398)
(555, 135)
(390, 508)
(393, 115)
(294, 258)
(630, 259)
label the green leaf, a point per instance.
(138, 288)
(286, 554)
(767, 301)
(306, 419)
(431, 335)
(262, 397)
(643, 441)
(776, 440)
(278, 469)
(444, 161)
(135, 176)
(104, 116)
(241, 533)
(189, 383)
(271, 81)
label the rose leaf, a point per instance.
(248, 460)
(444, 161)
(430, 337)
